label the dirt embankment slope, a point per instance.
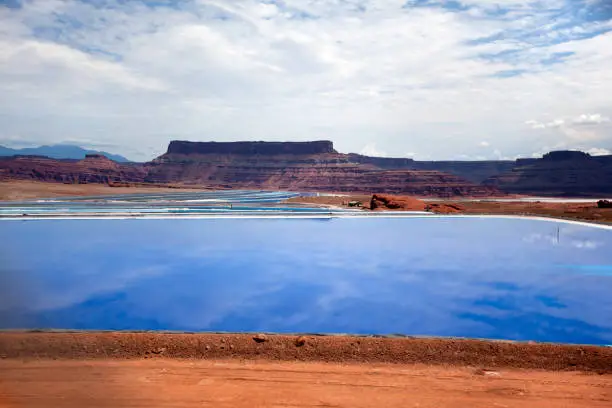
(341, 349)
(240, 370)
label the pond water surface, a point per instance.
(468, 277)
(235, 202)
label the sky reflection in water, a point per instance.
(492, 278)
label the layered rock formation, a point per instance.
(473, 171)
(562, 173)
(298, 166)
(305, 166)
(250, 148)
(559, 173)
(316, 166)
(93, 169)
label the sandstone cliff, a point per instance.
(316, 166)
(562, 173)
(473, 171)
(559, 173)
(311, 166)
(297, 166)
(92, 169)
(250, 148)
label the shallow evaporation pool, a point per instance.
(517, 279)
(198, 203)
(201, 196)
(219, 201)
(109, 210)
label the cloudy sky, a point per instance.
(430, 79)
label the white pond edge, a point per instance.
(356, 215)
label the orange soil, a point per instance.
(339, 349)
(234, 383)
(106, 369)
(25, 190)
(340, 200)
(578, 211)
(394, 202)
(574, 211)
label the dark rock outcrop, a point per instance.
(565, 155)
(604, 204)
(383, 162)
(250, 148)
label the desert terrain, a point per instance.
(574, 211)
(246, 370)
(585, 211)
(118, 369)
(235, 383)
(16, 190)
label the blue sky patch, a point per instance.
(11, 3)
(556, 58)
(509, 73)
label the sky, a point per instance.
(428, 79)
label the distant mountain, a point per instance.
(60, 151)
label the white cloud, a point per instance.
(579, 132)
(564, 239)
(556, 123)
(598, 151)
(590, 119)
(419, 78)
(537, 237)
(585, 244)
(23, 61)
(371, 150)
(594, 120)
(534, 124)
(484, 143)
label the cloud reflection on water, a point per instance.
(451, 277)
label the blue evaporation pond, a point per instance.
(491, 278)
(207, 202)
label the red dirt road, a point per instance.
(232, 383)
(123, 369)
